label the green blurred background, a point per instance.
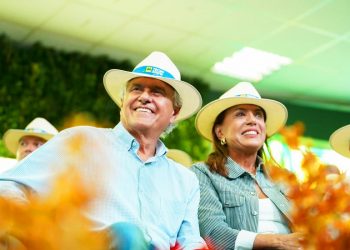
(40, 81)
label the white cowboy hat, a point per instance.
(156, 65)
(340, 141)
(241, 93)
(39, 127)
(180, 156)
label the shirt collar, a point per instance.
(131, 143)
(235, 170)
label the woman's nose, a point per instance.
(251, 118)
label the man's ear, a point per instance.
(175, 114)
(121, 108)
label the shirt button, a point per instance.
(254, 213)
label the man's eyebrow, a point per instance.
(159, 88)
(132, 84)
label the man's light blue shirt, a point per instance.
(159, 195)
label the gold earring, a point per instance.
(223, 141)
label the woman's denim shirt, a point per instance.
(230, 204)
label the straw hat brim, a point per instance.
(114, 81)
(180, 157)
(276, 114)
(340, 141)
(12, 136)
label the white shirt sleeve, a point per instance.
(245, 240)
(11, 190)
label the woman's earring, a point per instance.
(223, 141)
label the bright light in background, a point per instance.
(292, 159)
(250, 64)
(6, 163)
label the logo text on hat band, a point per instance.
(153, 71)
(36, 130)
(248, 95)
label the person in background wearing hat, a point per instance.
(143, 199)
(180, 156)
(22, 142)
(240, 208)
(340, 141)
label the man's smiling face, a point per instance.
(147, 105)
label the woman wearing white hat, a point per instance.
(240, 208)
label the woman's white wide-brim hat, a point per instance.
(241, 93)
(159, 66)
(39, 127)
(340, 141)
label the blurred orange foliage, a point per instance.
(320, 206)
(292, 134)
(83, 119)
(54, 222)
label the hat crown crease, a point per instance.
(158, 61)
(242, 89)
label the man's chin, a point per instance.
(143, 125)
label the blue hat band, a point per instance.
(248, 95)
(36, 130)
(153, 71)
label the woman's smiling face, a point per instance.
(243, 128)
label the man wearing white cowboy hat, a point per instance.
(240, 208)
(139, 188)
(22, 142)
(340, 141)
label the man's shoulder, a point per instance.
(85, 135)
(184, 172)
(178, 167)
(85, 131)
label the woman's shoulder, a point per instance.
(202, 166)
(201, 169)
